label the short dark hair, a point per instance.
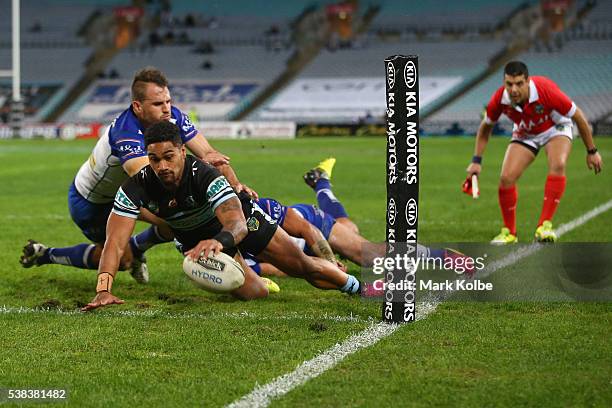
(516, 68)
(163, 131)
(144, 76)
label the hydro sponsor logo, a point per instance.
(410, 74)
(412, 210)
(391, 212)
(211, 264)
(390, 74)
(207, 276)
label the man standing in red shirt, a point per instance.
(542, 116)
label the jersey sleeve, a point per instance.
(127, 145)
(556, 99)
(188, 131)
(129, 199)
(216, 186)
(494, 107)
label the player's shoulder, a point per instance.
(201, 172)
(176, 116)
(127, 120)
(497, 96)
(193, 162)
(126, 125)
(543, 83)
(175, 112)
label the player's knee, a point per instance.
(557, 168)
(507, 180)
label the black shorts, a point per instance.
(260, 226)
(261, 230)
(527, 146)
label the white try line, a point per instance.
(262, 396)
(4, 310)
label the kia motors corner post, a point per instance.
(402, 100)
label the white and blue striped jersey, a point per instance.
(101, 175)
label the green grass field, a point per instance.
(174, 345)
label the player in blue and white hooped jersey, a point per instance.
(119, 154)
(333, 224)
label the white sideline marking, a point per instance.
(4, 309)
(261, 396)
(575, 223)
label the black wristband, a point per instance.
(226, 239)
(592, 151)
(477, 159)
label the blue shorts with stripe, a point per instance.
(320, 219)
(89, 217)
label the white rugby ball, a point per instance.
(216, 273)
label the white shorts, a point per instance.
(536, 142)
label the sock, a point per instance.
(328, 201)
(145, 240)
(508, 197)
(553, 191)
(79, 256)
(351, 286)
(436, 253)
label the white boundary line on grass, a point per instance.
(262, 396)
(4, 309)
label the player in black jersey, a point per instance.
(206, 215)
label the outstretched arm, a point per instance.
(118, 231)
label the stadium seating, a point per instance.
(180, 62)
(240, 50)
(57, 26)
(432, 15)
(582, 69)
(435, 58)
(52, 55)
(456, 61)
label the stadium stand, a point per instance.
(52, 53)
(431, 19)
(448, 62)
(206, 45)
(243, 50)
(56, 27)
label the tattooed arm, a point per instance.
(234, 230)
(297, 226)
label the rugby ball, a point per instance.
(215, 273)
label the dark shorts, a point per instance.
(89, 217)
(261, 229)
(532, 149)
